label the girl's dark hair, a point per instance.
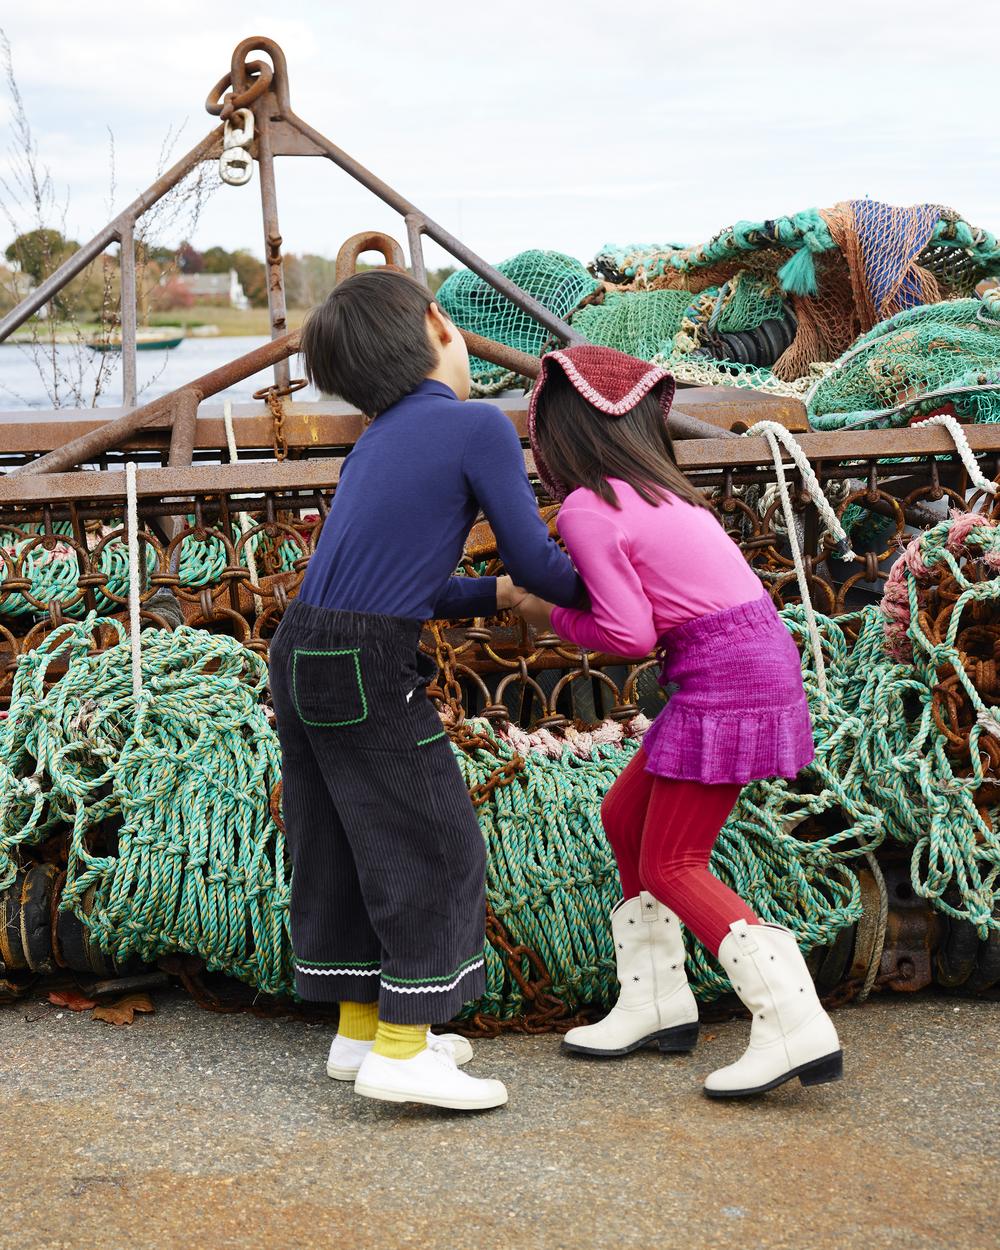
(368, 343)
(583, 446)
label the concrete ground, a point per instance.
(198, 1131)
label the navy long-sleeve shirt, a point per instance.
(409, 493)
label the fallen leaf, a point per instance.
(72, 999)
(123, 1010)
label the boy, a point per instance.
(387, 908)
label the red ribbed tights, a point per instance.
(662, 832)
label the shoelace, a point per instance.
(441, 1051)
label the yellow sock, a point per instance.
(400, 1041)
(358, 1021)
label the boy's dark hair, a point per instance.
(583, 446)
(368, 342)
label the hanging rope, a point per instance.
(961, 442)
(134, 582)
(243, 519)
(775, 433)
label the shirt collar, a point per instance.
(431, 386)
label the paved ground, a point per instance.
(199, 1131)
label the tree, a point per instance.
(252, 276)
(189, 259)
(39, 252)
(217, 260)
(173, 293)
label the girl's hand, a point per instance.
(535, 612)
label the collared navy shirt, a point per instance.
(409, 493)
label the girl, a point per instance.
(660, 569)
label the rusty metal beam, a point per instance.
(229, 479)
(309, 424)
(313, 475)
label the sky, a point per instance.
(520, 125)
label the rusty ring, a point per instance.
(224, 107)
(279, 392)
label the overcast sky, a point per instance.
(522, 125)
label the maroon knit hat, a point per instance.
(608, 379)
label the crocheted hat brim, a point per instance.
(592, 372)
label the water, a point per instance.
(22, 387)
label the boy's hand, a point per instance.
(536, 612)
(509, 595)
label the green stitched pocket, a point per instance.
(328, 688)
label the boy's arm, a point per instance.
(467, 596)
(476, 596)
(494, 467)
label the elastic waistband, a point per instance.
(361, 626)
(721, 624)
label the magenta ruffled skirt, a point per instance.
(739, 712)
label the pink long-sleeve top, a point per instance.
(647, 568)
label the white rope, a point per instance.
(777, 437)
(134, 585)
(245, 523)
(775, 432)
(954, 428)
(815, 641)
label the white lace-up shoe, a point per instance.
(431, 1077)
(655, 1003)
(791, 1035)
(346, 1053)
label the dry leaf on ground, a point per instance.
(123, 1010)
(74, 1000)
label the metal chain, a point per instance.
(274, 397)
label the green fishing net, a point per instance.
(940, 357)
(558, 282)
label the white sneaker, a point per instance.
(431, 1078)
(347, 1053)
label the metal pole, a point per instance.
(128, 306)
(272, 235)
(438, 233)
(415, 239)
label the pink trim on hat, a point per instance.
(584, 388)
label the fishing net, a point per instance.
(831, 274)
(558, 282)
(638, 322)
(942, 357)
(766, 304)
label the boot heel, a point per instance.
(679, 1040)
(829, 1068)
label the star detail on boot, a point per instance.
(631, 921)
(649, 906)
(635, 978)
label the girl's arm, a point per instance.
(620, 619)
(494, 468)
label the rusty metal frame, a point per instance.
(278, 132)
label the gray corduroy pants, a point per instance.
(388, 861)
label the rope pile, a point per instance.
(52, 566)
(164, 791)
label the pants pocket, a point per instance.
(328, 687)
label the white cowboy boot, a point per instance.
(791, 1035)
(346, 1053)
(655, 1003)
